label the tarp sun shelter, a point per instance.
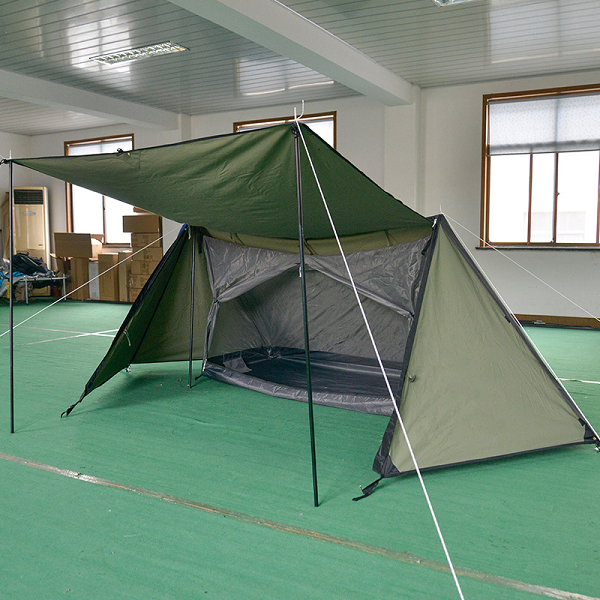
(468, 382)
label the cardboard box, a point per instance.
(134, 293)
(124, 260)
(143, 267)
(63, 265)
(141, 240)
(136, 209)
(141, 223)
(109, 277)
(138, 281)
(80, 275)
(41, 292)
(76, 245)
(149, 254)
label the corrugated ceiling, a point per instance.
(481, 40)
(426, 45)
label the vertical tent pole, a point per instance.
(192, 298)
(305, 314)
(11, 293)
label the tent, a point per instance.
(466, 380)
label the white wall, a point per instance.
(19, 146)
(15, 146)
(403, 152)
(451, 178)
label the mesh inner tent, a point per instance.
(256, 335)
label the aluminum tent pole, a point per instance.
(11, 293)
(192, 299)
(305, 315)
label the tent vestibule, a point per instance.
(256, 329)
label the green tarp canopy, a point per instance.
(243, 183)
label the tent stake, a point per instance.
(11, 294)
(305, 316)
(193, 295)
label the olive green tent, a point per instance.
(465, 379)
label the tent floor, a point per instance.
(152, 490)
(337, 379)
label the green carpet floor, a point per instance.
(150, 490)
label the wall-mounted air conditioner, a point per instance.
(32, 231)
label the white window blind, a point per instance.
(554, 124)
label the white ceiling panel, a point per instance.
(28, 119)
(474, 41)
(407, 42)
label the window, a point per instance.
(89, 212)
(541, 168)
(323, 124)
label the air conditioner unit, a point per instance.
(31, 227)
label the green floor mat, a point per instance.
(531, 518)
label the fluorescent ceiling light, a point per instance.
(139, 53)
(305, 85)
(290, 87)
(449, 2)
(276, 91)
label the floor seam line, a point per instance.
(397, 555)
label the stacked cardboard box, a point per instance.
(109, 276)
(146, 245)
(124, 261)
(73, 252)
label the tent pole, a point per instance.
(193, 296)
(305, 316)
(11, 294)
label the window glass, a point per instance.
(84, 148)
(542, 197)
(324, 125)
(92, 212)
(509, 198)
(113, 212)
(324, 128)
(577, 215)
(542, 167)
(87, 211)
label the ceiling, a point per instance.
(261, 53)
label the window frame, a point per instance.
(485, 242)
(69, 187)
(238, 125)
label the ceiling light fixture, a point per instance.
(305, 85)
(450, 2)
(139, 53)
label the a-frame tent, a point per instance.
(466, 380)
